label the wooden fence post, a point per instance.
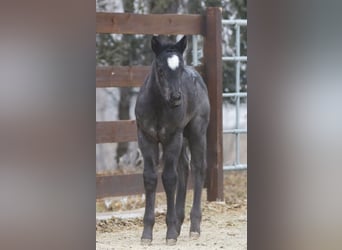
(213, 75)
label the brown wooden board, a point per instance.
(121, 185)
(213, 73)
(163, 24)
(116, 131)
(124, 76)
(132, 76)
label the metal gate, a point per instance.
(237, 58)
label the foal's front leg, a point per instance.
(150, 152)
(172, 149)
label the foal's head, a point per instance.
(168, 68)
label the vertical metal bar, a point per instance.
(237, 90)
(194, 50)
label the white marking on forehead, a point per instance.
(173, 62)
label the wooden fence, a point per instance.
(209, 26)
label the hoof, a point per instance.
(171, 242)
(194, 235)
(146, 242)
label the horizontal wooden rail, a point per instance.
(116, 131)
(122, 185)
(124, 76)
(132, 76)
(119, 185)
(163, 24)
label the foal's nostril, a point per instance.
(176, 96)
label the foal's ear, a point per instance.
(156, 45)
(181, 45)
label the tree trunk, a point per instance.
(124, 106)
(125, 93)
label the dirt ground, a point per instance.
(224, 224)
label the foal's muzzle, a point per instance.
(175, 99)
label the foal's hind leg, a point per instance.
(150, 152)
(183, 172)
(197, 145)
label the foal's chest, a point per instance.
(158, 130)
(160, 122)
(161, 125)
